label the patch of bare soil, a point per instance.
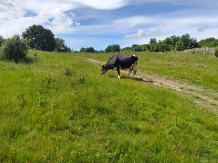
(204, 97)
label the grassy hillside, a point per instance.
(58, 108)
(195, 68)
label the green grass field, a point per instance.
(56, 107)
(195, 68)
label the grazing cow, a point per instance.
(123, 62)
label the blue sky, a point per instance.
(98, 23)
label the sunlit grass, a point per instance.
(60, 109)
(195, 68)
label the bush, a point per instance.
(14, 48)
(216, 52)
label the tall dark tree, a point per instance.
(39, 38)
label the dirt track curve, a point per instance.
(204, 97)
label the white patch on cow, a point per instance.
(133, 55)
(118, 76)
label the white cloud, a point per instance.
(18, 15)
(142, 33)
(103, 5)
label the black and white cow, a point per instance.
(123, 62)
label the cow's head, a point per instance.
(103, 69)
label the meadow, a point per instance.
(56, 107)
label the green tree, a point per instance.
(136, 48)
(153, 41)
(60, 46)
(127, 50)
(145, 47)
(83, 50)
(90, 50)
(174, 39)
(113, 48)
(189, 42)
(87, 50)
(1, 40)
(164, 47)
(179, 46)
(170, 43)
(14, 48)
(209, 42)
(39, 38)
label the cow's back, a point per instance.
(126, 61)
(112, 60)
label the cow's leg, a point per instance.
(134, 69)
(130, 69)
(129, 72)
(118, 71)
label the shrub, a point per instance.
(216, 52)
(14, 48)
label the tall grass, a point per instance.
(60, 109)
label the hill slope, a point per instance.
(202, 96)
(58, 108)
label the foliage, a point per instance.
(113, 48)
(60, 46)
(40, 38)
(189, 42)
(216, 52)
(153, 41)
(136, 48)
(14, 48)
(180, 46)
(169, 44)
(1, 40)
(88, 50)
(126, 50)
(209, 42)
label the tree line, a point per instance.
(39, 38)
(172, 43)
(35, 37)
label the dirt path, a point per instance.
(204, 97)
